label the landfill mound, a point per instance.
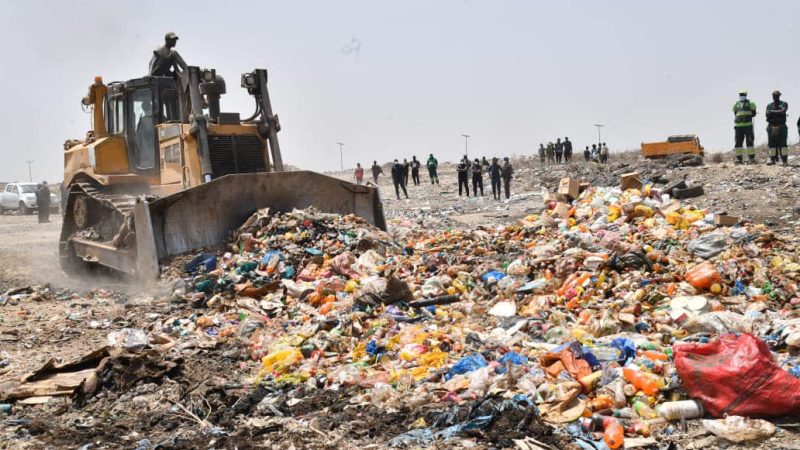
(611, 317)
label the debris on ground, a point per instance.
(623, 318)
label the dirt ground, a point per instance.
(171, 399)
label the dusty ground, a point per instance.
(67, 318)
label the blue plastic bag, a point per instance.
(626, 347)
(466, 364)
(496, 274)
(203, 260)
(268, 256)
(513, 358)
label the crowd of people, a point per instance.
(559, 152)
(466, 170)
(500, 174)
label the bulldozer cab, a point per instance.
(133, 111)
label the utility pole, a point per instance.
(599, 140)
(30, 175)
(341, 155)
(466, 144)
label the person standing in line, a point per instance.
(42, 194)
(415, 165)
(604, 154)
(559, 151)
(542, 154)
(494, 176)
(743, 112)
(359, 175)
(595, 153)
(463, 177)
(587, 154)
(406, 170)
(376, 170)
(777, 131)
(433, 166)
(485, 164)
(399, 179)
(567, 150)
(551, 153)
(477, 177)
(506, 173)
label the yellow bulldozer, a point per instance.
(164, 172)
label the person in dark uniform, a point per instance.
(559, 150)
(507, 172)
(777, 131)
(463, 177)
(43, 202)
(166, 61)
(587, 154)
(406, 170)
(542, 154)
(494, 176)
(415, 165)
(567, 150)
(477, 177)
(399, 179)
(376, 170)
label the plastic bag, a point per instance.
(466, 364)
(740, 429)
(736, 375)
(129, 338)
(708, 245)
(719, 322)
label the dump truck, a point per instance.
(687, 144)
(164, 171)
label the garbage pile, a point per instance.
(608, 317)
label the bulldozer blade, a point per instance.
(205, 215)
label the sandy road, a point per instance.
(29, 250)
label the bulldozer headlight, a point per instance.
(248, 80)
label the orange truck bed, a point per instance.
(673, 146)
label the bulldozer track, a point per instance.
(109, 216)
(121, 203)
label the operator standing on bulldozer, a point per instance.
(744, 110)
(166, 61)
(777, 131)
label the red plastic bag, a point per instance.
(736, 375)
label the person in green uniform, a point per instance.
(743, 111)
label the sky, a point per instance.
(392, 79)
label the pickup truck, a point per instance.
(22, 198)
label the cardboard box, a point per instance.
(630, 181)
(562, 210)
(569, 187)
(584, 186)
(563, 198)
(724, 220)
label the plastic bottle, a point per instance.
(684, 409)
(702, 276)
(644, 410)
(641, 380)
(654, 355)
(624, 413)
(614, 435)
